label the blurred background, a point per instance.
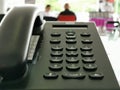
(80, 7)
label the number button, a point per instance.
(85, 34)
(90, 67)
(96, 76)
(86, 48)
(50, 75)
(56, 67)
(57, 54)
(71, 48)
(72, 60)
(56, 60)
(71, 41)
(55, 34)
(72, 54)
(88, 60)
(55, 41)
(87, 41)
(72, 67)
(57, 48)
(73, 75)
(70, 37)
(87, 54)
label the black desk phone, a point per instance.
(51, 56)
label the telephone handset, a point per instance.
(17, 30)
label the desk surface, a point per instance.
(112, 47)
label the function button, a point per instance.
(72, 60)
(55, 41)
(87, 54)
(57, 48)
(57, 54)
(72, 67)
(96, 76)
(86, 48)
(55, 34)
(88, 60)
(85, 34)
(50, 75)
(71, 48)
(90, 67)
(72, 54)
(70, 37)
(70, 33)
(56, 67)
(73, 75)
(87, 41)
(56, 60)
(71, 41)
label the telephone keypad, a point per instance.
(78, 58)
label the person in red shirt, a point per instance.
(67, 14)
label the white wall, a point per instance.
(5, 4)
(12, 3)
(2, 6)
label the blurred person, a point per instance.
(47, 14)
(106, 6)
(100, 2)
(67, 12)
(47, 10)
